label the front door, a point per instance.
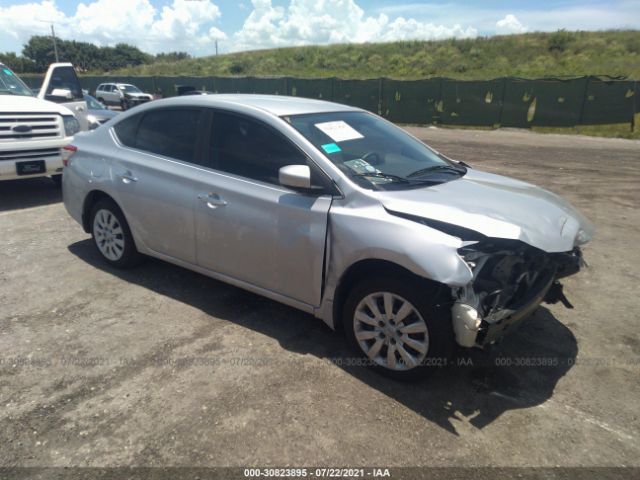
(250, 228)
(61, 85)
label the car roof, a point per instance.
(278, 105)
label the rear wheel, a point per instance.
(112, 236)
(399, 326)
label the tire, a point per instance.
(418, 343)
(123, 105)
(112, 236)
(57, 180)
(101, 100)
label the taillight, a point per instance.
(67, 153)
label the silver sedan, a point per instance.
(329, 209)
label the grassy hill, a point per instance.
(615, 52)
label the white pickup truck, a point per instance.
(34, 129)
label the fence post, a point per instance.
(437, 115)
(633, 106)
(504, 94)
(380, 99)
(584, 99)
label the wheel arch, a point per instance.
(90, 200)
(368, 267)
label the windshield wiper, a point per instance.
(394, 178)
(435, 168)
(389, 176)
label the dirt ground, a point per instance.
(158, 366)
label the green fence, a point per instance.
(508, 102)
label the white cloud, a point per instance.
(183, 25)
(194, 25)
(306, 22)
(19, 21)
(510, 24)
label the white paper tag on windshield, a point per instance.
(339, 131)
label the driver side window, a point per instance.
(251, 149)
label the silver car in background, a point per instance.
(329, 209)
(97, 113)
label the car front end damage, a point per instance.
(510, 280)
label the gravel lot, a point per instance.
(158, 366)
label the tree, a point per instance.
(39, 50)
(559, 41)
(18, 64)
(171, 56)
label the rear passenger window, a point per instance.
(170, 132)
(248, 148)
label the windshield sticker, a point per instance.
(339, 131)
(331, 148)
(7, 71)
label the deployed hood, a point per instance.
(22, 104)
(498, 207)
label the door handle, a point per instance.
(127, 177)
(213, 200)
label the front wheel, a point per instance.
(400, 326)
(112, 236)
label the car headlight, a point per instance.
(581, 238)
(71, 125)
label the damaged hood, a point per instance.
(498, 207)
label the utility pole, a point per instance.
(216, 47)
(55, 46)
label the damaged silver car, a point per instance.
(329, 209)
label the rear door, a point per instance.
(251, 228)
(61, 85)
(156, 173)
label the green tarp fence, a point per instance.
(470, 102)
(411, 101)
(508, 101)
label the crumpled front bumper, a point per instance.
(473, 328)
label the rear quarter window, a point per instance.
(127, 130)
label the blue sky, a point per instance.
(195, 25)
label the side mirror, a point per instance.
(62, 92)
(295, 176)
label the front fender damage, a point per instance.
(510, 279)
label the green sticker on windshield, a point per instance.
(7, 71)
(331, 148)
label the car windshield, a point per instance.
(130, 88)
(12, 85)
(93, 104)
(373, 152)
